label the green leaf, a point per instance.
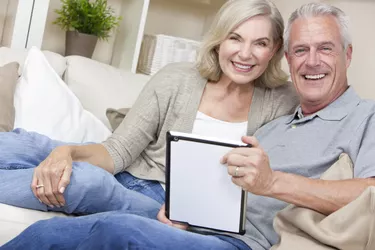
(93, 17)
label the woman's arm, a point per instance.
(95, 154)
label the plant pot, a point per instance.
(79, 44)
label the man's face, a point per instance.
(317, 61)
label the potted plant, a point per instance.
(85, 21)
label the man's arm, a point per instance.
(251, 170)
(324, 196)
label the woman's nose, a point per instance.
(245, 52)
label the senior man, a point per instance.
(284, 167)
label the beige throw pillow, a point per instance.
(8, 80)
(350, 228)
(115, 116)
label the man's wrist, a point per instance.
(274, 188)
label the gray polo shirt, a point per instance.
(308, 146)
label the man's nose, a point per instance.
(313, 58)
(245, 52)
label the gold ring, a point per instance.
(236, 171)
(39, 186)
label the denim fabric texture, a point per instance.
(91, 189)
(115, 230)
(123, 208)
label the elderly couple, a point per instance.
(235, 90)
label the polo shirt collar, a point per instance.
(294, 115)
(335, 111)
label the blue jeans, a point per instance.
(115, 230)
(91, 189)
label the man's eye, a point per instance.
(300, 51)
(326, 48)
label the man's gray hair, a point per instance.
(320, 9)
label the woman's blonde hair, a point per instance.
(230, 16)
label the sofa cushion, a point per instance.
(13, 220)
(8, 55)
(115, 116)
(8, 80)
(45, 104)
(108, 87)
(352, 227)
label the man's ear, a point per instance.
(349, 53)
(287, 57)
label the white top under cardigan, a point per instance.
(209, 126)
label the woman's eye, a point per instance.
(234, 38)
(263, 44)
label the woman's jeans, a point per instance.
(134, 204)
(91, 189)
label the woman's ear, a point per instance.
(276, 48)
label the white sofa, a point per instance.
(98, 86)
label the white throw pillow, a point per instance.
(44, 104)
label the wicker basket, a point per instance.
(160, 50)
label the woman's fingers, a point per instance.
(180, 225)
(161, 216)
(163, 219)
(65, 178)
(45, 183)
(55, 175)
(34, 184)
(52, 176)
(41, 192)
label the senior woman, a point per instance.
(235, 87)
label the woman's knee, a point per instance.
(90, 178)
(88, 185)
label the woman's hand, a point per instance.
(52, 176)
(162, 218)
(250, 167)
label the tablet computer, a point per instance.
(199, 190)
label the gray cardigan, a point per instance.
(170, 101)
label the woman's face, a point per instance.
(245, 53)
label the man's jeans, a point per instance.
(91, 189)
(115, 230)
